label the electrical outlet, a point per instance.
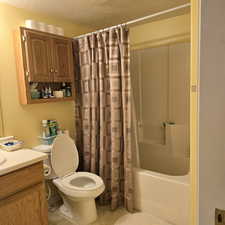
(219, 217)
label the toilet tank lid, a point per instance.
(43, 148)
(64, 155)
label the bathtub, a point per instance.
(164, 196)
(159, 158)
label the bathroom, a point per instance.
(170, 175)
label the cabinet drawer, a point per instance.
(20, 179)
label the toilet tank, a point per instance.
(47, 163)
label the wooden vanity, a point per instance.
(22, 196)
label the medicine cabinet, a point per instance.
(44, 61)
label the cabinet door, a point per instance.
(39, 57)
(25, 208)
(63, 60)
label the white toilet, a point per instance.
(78, 189)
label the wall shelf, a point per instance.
(45, 59)
(47, 100)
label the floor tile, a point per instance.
(105, 216)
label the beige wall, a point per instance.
(18, 120)
(161, 32)
(1, 121)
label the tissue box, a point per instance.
(11, 145)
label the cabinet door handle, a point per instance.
(56, 71)
(51, 70)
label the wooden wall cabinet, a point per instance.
(23, 202)
(42, 58)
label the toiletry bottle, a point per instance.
(42, 93)
(45, 129)
(53, 127)
(46, 93)
(50, 93)
(50, 129)
(63, 89)
(68, 91)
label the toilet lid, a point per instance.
(64, 155)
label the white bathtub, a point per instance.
(160, 159)
(164, 196)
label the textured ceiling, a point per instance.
(97, 13)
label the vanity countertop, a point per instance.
(18, 159)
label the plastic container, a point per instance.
(35, 95)
(47, 140)
(58, 94)
(11, 145)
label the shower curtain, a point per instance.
(103, 112)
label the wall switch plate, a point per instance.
(219, 217)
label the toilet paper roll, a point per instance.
(59, 30)
(51, 29)
(32, 24)
(42, 26)
(47, 170)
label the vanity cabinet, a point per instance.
(43, 58)
(22, 197)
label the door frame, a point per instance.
(194, 109)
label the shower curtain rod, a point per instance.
(138, 20)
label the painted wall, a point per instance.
(18, 120)
(161, 32)
(211, 111)
(1, 121)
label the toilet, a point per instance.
(78, 189)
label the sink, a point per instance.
(2, 158)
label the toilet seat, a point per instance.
(82, 181)
(65, 186)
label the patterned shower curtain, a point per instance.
(103, 112)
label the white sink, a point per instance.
(2, 158)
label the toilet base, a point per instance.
(66, 214)
(82, 212)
